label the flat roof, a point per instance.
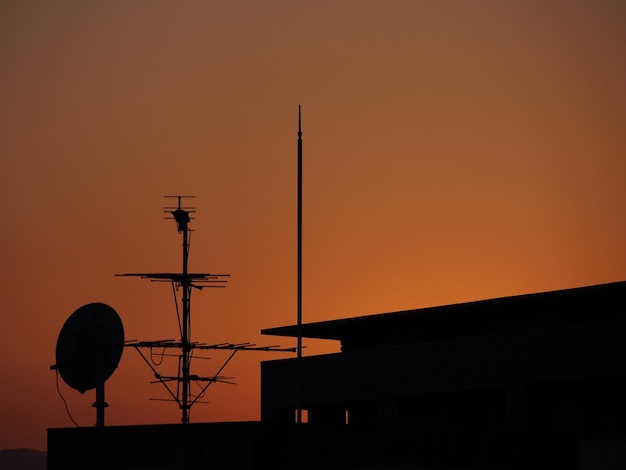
(590, 304)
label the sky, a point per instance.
(453, 151)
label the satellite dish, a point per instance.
(90, 346)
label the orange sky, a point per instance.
(454, 151)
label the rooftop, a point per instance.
(591, 304)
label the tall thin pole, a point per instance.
(299, 360)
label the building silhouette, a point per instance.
(529, 381)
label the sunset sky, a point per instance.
(453, 151)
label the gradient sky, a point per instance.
(453, 151)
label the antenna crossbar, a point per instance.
(170, 344)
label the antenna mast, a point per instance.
(185, 281)
(182, 218)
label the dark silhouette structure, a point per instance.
(531, 381)
(89, 348)
(551, 361)
(179, 386)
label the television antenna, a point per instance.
(179, 386)
(89, 348)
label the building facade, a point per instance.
(551, 362)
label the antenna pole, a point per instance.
(182, 394)
(182, 219)
(299, 288)
(100, 404)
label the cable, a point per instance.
(152, 355)
(189, 243)
(180, 327)
(64, 402)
